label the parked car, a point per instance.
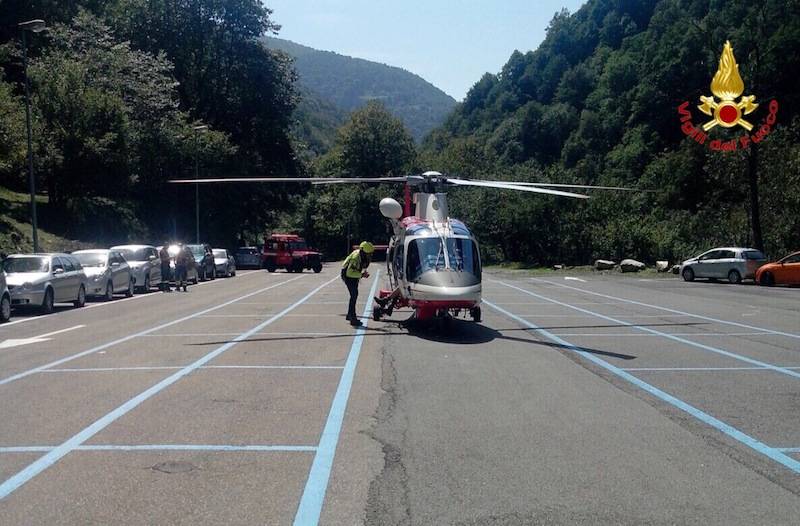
(783, 272)
(144, 263)
(291, 252)
(107, 273)
(5, 299)
(45, 279)
(204, 258)
(191, 267)
(731, 263)
(224, 264)
(248, 257)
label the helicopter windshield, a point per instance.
(429, 253)
(462, 255)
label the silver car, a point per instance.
(144, 263)
(107, 273)
(5, 299)
(248, 257)
(45, 279)
(731, 263)
(224, 263)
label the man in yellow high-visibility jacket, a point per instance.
(353, 269)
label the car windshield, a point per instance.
(197, 251)
(91, 259)
(26, 264)
(297, 245)
(792, 258)
(219, 253)
(139, 254)
(247, 251)
(753, 254)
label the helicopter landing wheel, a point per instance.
(475, 312)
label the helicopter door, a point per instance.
(398, 264)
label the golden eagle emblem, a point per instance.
(727, 85)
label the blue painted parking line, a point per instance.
(789, 449)
(53, 456)
(310, 507)
(137, 335)
(705, 347)
(775, 454)
(675, 311)
(160, 447)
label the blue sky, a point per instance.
(448, 43)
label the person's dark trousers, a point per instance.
(165, 276)
(352, 288)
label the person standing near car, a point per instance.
(353, 269)
(181, 262)
(166, 272)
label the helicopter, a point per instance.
(433, 260)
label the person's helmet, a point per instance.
(367, 247)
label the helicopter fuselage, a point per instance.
(435, 263)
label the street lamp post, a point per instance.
(34, 26)
(197, 130)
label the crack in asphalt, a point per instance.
(388, 497)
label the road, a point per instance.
(599, 399)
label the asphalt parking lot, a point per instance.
(590, 400)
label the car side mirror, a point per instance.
(151, 257)
(58, 271)
(115, 264)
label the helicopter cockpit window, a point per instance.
(398, 261)
(424, 254)
(463, 255)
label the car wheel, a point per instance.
(81, 300)
(734, 277)
(195, 280)
(129, 292)
(270, 266)
(109, 295)
(318, 268)
(5, 309)
(688, 274)
(47, 302)
(146, 287)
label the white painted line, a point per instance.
(136, 335)
(646, 335)
(165, 367)
(159, 447)
(215, 334)
(644, 328)
(266, 314)
(701, 368)
(36, 467)
(7, 344)
(698, 316)
(570, 278)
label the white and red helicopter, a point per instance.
(432, 259)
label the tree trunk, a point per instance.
(755, 210)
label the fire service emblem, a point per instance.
(726, 112)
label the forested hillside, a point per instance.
(597, 103)
(127, 94)
(349, 83)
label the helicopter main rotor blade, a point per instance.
(314, 180)
(358, 180)
(512, 186)
(585, 186)
(250, 180)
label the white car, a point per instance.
(144, 263)
(224, 263)
(731, 263)
(107, 273)
(5, 299)
(41, 280)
